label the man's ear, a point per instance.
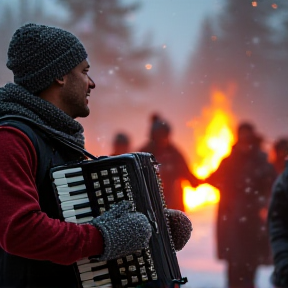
(60, 81)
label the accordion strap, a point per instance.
(74, 146)
(52, 135)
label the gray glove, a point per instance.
(124, 231)
(181, 228)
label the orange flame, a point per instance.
(194, 198)
(214, 139)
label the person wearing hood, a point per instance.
(121, 144)
(244, 180)
(173, 167)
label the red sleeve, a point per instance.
(26, 231)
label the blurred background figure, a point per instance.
(280, 151)
(244, 179)
(173, 167)
(278, 218)
(121, 144)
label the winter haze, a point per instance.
(166, 56)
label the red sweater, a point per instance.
(25, 230)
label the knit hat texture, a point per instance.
(39, 54)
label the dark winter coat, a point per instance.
(173, 169)
(244, 181)
(278, 229)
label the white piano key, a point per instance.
(68, 205)
(83, 261)
(62, 181)
(89, 266)
(103, 282)
(90, 275)
(80, 220)
(61, 173)
(64, 198)
(106, 283)
(73, 212)
(91, 283)
(88, 284)
(109, 285)
(66, 188)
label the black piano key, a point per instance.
(79, 216)
(83, 205)
(101, 277)
(76, 183)
(77, 192)
(98, 267)
(73, 174)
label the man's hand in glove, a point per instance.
(124, 231)
(181, 228)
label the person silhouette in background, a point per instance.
(173, 167)
(280, 149)
(278, 216)
(244, 180)
(120, 144)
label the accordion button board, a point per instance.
(87, 189)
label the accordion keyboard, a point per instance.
(78, 205)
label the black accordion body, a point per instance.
(88, 188)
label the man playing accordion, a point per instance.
(38, 130)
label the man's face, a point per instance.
(76, 90)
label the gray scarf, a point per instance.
(17, 101)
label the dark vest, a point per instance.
(22, 272)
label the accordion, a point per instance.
(88, 188)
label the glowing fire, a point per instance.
(203, 194)
(214, 139)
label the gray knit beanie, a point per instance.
(39, 54)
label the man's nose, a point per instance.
(92, 84)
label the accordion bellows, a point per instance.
(88, 188)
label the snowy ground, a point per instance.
(197, 261)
